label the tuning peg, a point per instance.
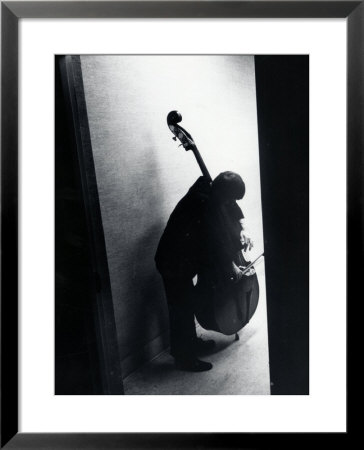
(174, 138)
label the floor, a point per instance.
(239, 367)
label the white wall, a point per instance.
(141, 173)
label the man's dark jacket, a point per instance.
(195, 235)
(180, 248)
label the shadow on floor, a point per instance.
(232, 372)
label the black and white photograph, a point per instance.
(181, 224)
(181, 183)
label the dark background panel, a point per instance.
(77, 368)
(282, 84)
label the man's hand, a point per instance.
(247, 243)
(245, 240)
(249, 272)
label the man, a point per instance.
(205, 227)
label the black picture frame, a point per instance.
(11, 12)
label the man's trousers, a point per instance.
(180, 298)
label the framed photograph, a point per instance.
(178, 180)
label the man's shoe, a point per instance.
(193, 365)
(202, 346)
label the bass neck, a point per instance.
(173, 120)
(201, 164)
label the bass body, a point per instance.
(223, 305)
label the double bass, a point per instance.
(222, 305)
